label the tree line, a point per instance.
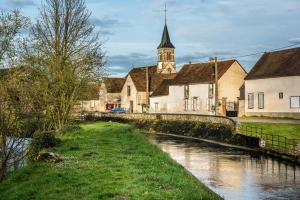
(45, 67)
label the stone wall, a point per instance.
(187, 117)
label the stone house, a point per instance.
(193, 89)
(103, 97)
(272, 87)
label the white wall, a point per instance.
(271, 87)
(175, 103)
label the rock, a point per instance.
(89, 154)
(49, 157)
(121, 197)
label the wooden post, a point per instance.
(216, 86)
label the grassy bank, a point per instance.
(122, 165)
(291, 131)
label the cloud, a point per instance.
(295, 40)
(105, 23)
(118, 64)
(20, 3)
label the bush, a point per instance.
(40, 141)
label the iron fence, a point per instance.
(274, 142)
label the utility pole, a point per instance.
(216, 86)
(147, 88)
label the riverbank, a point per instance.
(105, 161)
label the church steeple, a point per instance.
(165, 40)
(165, 52)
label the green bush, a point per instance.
(41, 140)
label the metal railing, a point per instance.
(274, 142)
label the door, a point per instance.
(131, 107)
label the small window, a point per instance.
(156, 106)
(186, 104)
(260, 100)
(280, 95)
(211, 91)
(128, 90)
(295, 102)
(186, 91)
(250, 101)
(195, 103)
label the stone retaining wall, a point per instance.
(184, 117)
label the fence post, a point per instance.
(285, 144)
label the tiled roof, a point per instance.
(114, 85)
(201, 72)
(163, 88)
(276, 64)
(138, 76)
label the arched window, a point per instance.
(168, 56)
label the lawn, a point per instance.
(291, 131)
(119, 163)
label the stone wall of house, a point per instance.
(231, 82)
(273, 104)
(138, 98)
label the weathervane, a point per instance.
(165, 10)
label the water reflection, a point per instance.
(232, 173)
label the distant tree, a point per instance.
(67, 50)
(11, 25)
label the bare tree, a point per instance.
(67, 50)
(11, 24)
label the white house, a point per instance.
(193, 89)
(272, 87)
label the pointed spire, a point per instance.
(165, 40)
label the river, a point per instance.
(234, 174)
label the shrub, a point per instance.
(40, 141)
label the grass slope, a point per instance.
(126, 166)
(291, 131)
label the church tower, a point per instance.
(165, 53)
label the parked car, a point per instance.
(118, 110)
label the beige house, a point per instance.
(142, 81)
(193, 89)
(272, 87)
(104, 97)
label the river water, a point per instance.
(233, 174)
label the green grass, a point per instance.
(126, 165)
(291, 131)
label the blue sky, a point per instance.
(131, 29)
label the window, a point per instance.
(260, 100)
(186, 91)
(168, 56)
(250, 101)
(211, 91)
(128, 90)
(295, 102)
(195, 103)
(156, 106)
(280, 95)
(186, 104)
